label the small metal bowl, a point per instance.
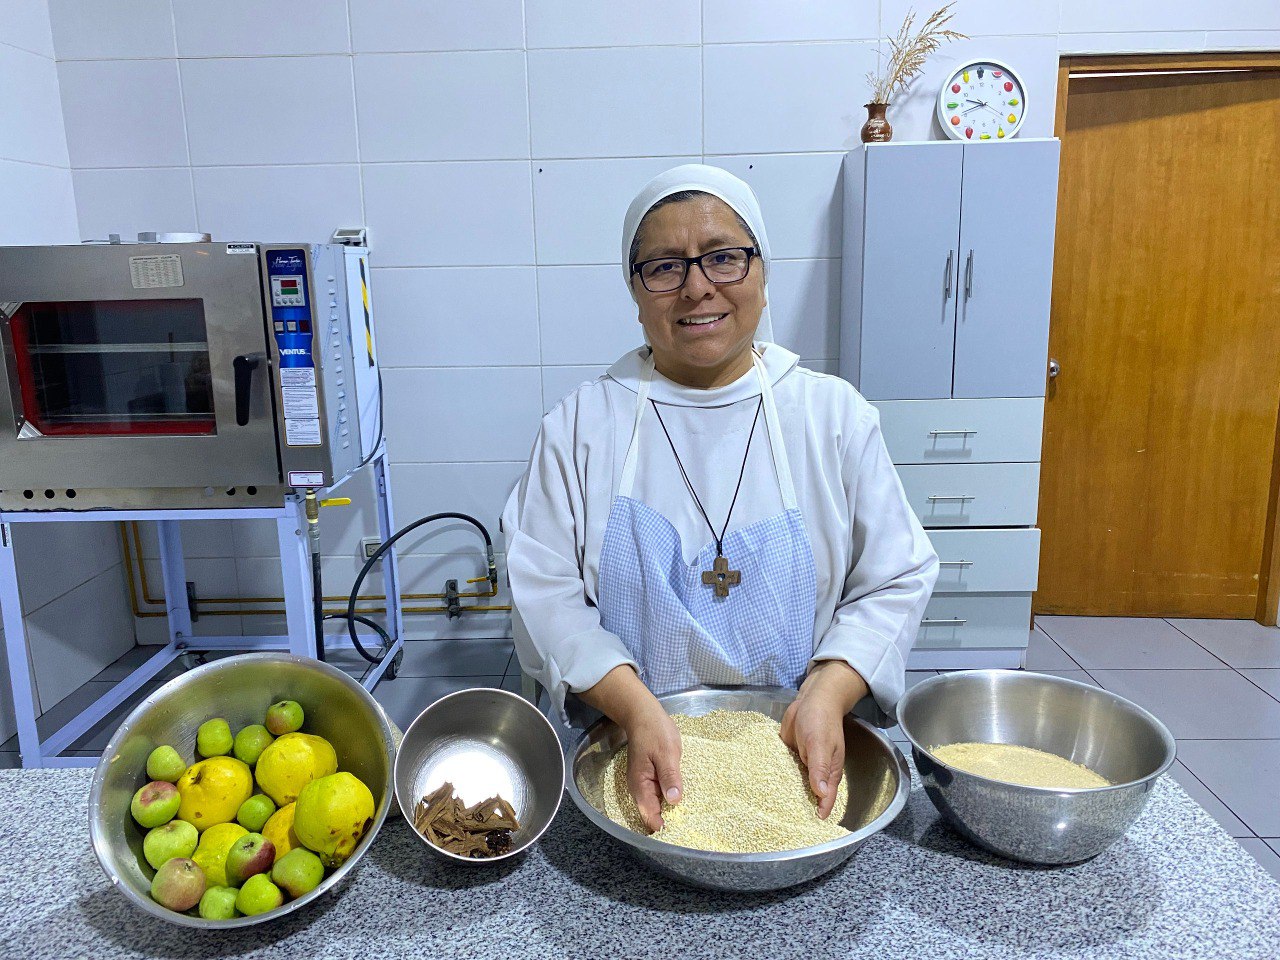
(239, 689)
(876, 772)
(1087, 725)
(485, 742)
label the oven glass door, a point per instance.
(113, 367)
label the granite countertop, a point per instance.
(1176, 886)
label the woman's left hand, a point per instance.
(813, 726)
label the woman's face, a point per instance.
(684, 349)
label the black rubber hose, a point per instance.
(377, 555)
(317, 605)
(372, 624)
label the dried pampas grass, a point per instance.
(910, 51)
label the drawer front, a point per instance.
(958, 621)
(962, 431)
(973, 494)
(986, 561)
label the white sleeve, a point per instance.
(557, 631)
(892, 573)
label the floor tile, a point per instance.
(1202, 795)
(1241, 643)
(126, 664)
(9, 760)
(1127, 643)
(1265, 855)
(1268, 680)
(1044, 654)
(96, 739)
(1243, 774)
(1199, 704)
(1274, 844)
(406, 697)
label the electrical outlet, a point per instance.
(369, 546)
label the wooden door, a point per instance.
(1006, 264)
(1160, 429)
(912, 223)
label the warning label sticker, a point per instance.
(302, 433)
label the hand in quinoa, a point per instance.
(813, 725)
(653, 742)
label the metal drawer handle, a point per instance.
(943, 623)
(953, 433)
(946, 283)
(955, 563)
(968, 277)
(935, 499)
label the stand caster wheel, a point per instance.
(190, 661)
(393, 668)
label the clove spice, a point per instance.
(480, 830)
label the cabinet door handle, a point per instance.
(943, 623)
(968, 277)
(955, 563)
(935, 499)
(946, 281)
(953, 433)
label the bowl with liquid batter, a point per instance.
(1034, 767)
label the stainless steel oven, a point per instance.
(186, 374)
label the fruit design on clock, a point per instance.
(982, 100)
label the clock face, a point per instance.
(982, 100)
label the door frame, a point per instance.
(1268, 605)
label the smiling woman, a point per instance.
(710, 512)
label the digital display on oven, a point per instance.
(288, 292)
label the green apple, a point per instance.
(155, 804)
(219, 903)
(299, 871)
(165, 764)
(255, 812)
(284, 717)
(250, 742)
(178, 885)
(213, 739)
(175, 840)
(258, 895)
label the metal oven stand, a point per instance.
(295, 563)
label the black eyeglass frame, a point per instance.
(690, 261)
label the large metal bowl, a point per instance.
(240, 689)
(875, 770)
(485, 742)
(1087, 725)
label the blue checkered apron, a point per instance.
(677, 630)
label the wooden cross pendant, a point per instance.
(721, 577)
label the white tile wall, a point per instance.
(277, 203)
(618, 23)
(130, 201)
(25, 24)
(785, 97)
(767, 21)
(270, 110)
(379, 26)
(244, 28)
(93, 30)
(30, 85)
(491, 148)
(456, 316)
(588, 103)
(123, 113)
(588, 317)
(442, 106)
(449, 214)
(579, 205)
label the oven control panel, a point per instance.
(288, 285)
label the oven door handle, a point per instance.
(244, 366)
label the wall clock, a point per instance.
(982, 100)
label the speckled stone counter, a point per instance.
(1175, 886)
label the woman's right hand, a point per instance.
(653, 763)
(653, 742)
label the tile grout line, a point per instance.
(1197, 643)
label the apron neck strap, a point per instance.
(781, 465)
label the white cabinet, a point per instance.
(946, 284)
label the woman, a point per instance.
(709, 512)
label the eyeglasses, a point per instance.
(665, 274)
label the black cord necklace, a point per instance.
(719, 576)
